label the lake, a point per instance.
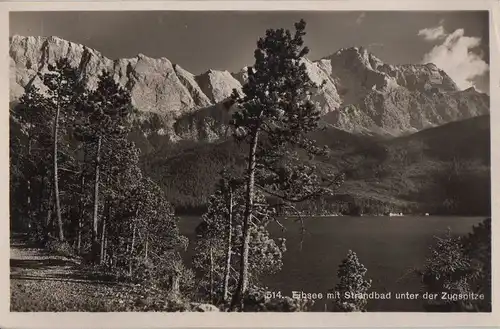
(389, 247)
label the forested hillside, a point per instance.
(441, 170)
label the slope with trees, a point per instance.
(85, 194)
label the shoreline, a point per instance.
(399, 216)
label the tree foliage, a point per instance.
(351, 276)
(460, 265)
(219, 240)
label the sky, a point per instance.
(457, 42)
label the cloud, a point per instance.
(432, 33)
(456, 55)
(360, 18)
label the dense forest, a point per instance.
(80, 186)
(75, 178)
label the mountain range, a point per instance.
(406, 136)
(356, 92)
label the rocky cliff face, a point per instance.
(377, 98)
(154, 84)
(358, 92)
(157, 86)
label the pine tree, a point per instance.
(103, 120)
(63, 90)
(161, 240)
(460, 265)
(34, 114)
(30, 142)
(351, 275)
(219, 240)
(274, 116)
(218, 218)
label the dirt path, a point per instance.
(41, 281)
(27, 262)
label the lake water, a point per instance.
(389, 247)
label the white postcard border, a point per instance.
(157, 320)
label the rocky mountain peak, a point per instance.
(241, 75)
(357, 92)
(355, 57)
(217, 85)
(156, 84)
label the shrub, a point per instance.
(60, 248)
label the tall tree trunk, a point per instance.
(106, 249)
(106, 219)
(175, 283)
(28, 187)
(56, 175)
(95, 233)
(79, 237)
(82, 202)
(81, 213)
(127, 251)
(130, 262)
(40, 198)
(211, 274)
(146, 248)
(243, 279)
(49, 214)
(40, 213)
(229, 245)
(103, 237)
